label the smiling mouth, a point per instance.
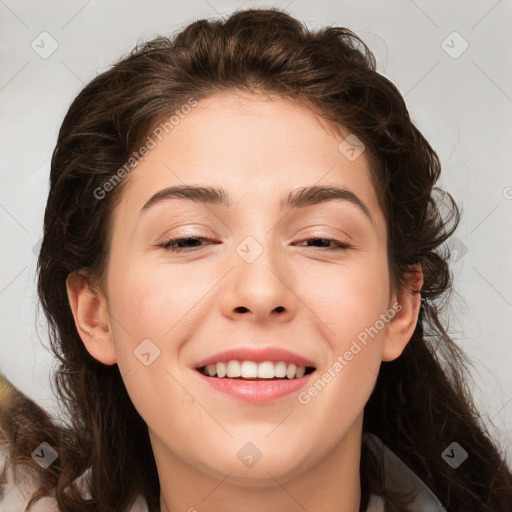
(252, 371)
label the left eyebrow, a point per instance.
(298, 198)
(310, 196)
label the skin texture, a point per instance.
(194, 304)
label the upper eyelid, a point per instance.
(313, 236)
(317, 231)
(186, 235)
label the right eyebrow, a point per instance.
(199, 194)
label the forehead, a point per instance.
(257, 146)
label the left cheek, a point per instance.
(354, 303)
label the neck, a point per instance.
(330, 485)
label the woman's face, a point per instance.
(265, 280)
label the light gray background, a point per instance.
(462, 104)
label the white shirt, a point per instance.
(398, 477)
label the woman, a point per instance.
(242, 269)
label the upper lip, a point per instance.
(257, 355)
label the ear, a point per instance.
(406, 304)
(92, 319)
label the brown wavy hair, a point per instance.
(421, 402)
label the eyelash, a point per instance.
(170, 245)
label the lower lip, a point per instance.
(256, 391)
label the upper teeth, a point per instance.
(253, 370)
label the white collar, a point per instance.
(397, 479)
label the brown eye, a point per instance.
(189, 243)
(325, 243)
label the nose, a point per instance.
(260, 291)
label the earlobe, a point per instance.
(92, 321)
(406, 304)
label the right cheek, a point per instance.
(133, 302)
